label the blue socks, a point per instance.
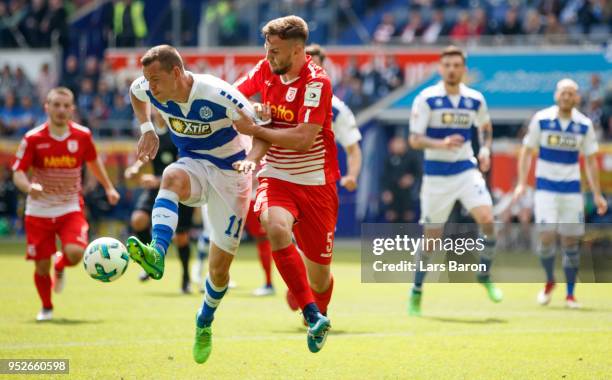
(571, 262)
(212, 299)
(549, 267)
(164, 218)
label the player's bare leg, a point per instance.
(278, 224)
(70, 255)
(216, 286)
(321, 283)
(175, 187)
(546, 252)
(422, 259)
(42, 280)
(484, 217)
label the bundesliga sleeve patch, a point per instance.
(312, 96)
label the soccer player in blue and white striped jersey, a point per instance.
(199, 110)
(441, 122)
(560, 133)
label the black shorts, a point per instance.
(145, 203)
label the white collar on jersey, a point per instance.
(289, 81)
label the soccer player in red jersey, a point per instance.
(56, 152)
(297, 191)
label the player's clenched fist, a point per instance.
(112, 196)
(147, 146)
(243, 123)
(36, 190)
(453, 141)
(244, 166)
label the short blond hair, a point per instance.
(60, 91)
(453, 50)
(286, 28)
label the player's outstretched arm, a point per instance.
(353, 159)
(98, 170)
(258, 151)
(20, 179)
(592, 173)
(148, 144)
(300, 138)
(524, 163)
(486, 142)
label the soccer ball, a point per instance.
(105, 259)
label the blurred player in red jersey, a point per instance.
(56, 152)
(297, 191)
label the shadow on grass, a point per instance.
(469, 321)
(302, 330)
(581, 310)
(176, 294)
(66, 321)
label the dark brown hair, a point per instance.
(167, 56)
(288, 27)
(452, 50)
(316, 50)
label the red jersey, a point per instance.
(56, 164)
(305, 99)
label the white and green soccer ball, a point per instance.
(105, 259)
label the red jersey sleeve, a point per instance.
(24, 155)
(317, 101)
(89, 149)
(251, 83)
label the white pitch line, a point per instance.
(292, 337)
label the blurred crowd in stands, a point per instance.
(545, 21)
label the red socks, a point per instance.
(62, 263)
(293, 271)
(265, 257)
(43, 285)
(322, 299)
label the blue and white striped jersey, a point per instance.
(438, 115)
(202, 127)
(344, 124)
(560, 143)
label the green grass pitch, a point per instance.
(130, 330)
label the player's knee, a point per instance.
(42, 267)
(139, 221)
(181, 239)
(177, 181)
(278, 231)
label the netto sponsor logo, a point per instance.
(64, 161)
(282, 113)
(189, 128)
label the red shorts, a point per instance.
(315, 209)
(252, 225)
(71, 228)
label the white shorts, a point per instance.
(439, 194)
(559, 212)
(226, 194)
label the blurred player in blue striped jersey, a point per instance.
(560, 133)
(441, 121)
(199, 109)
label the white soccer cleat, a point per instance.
(44, 315)
(571, 303)
(266, 290)
(196, 272)
(545, 295)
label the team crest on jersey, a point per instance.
(576, 128)
(291, 92)
(439, 102)
(206, 113)
(73, 146)
(189, 128)
(469, 103)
